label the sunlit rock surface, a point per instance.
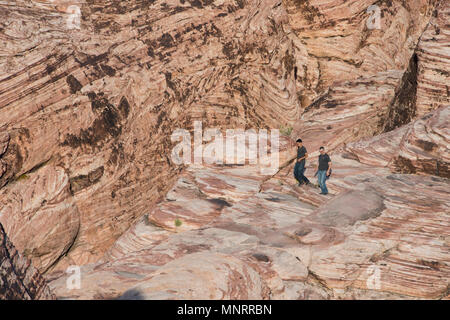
(40, 215)
(371, 80)
(299, 243)
(421, 147)
(101, 101)
(433, 52)
(87, 178)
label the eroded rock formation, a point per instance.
(101, 101)
(86, 176)
(302, 245)
(19, 280)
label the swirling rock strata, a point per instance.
(40, 215)
(85, 166)
(377, 235)
(19, 280)
(420, 147)
(101, 101)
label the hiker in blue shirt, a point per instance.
(299, 168)
(323, 170)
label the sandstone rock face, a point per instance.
(102, 100)
(420, 147)
(19, 280)
(371, 80)
(215, 276)
(40, 215)
(434, 58)
(87, 177)
(339, 35)
(300, 244)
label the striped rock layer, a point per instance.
(86, 173)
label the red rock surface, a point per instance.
(101, 101)
(434, 58)
(86, 176)
(420, 147)
(19, 280)
(301, 244)
(40, 215)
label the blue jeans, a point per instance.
(322, 178)
(299, 171)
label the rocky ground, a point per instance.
(243, 236)
(19, 280)
(86, 176)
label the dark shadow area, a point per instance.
(131, 294)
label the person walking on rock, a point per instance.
(299, 168)
(323, 170)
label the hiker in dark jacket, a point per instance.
(299, 168)
(323, 170)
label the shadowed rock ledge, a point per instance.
(19, 280)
